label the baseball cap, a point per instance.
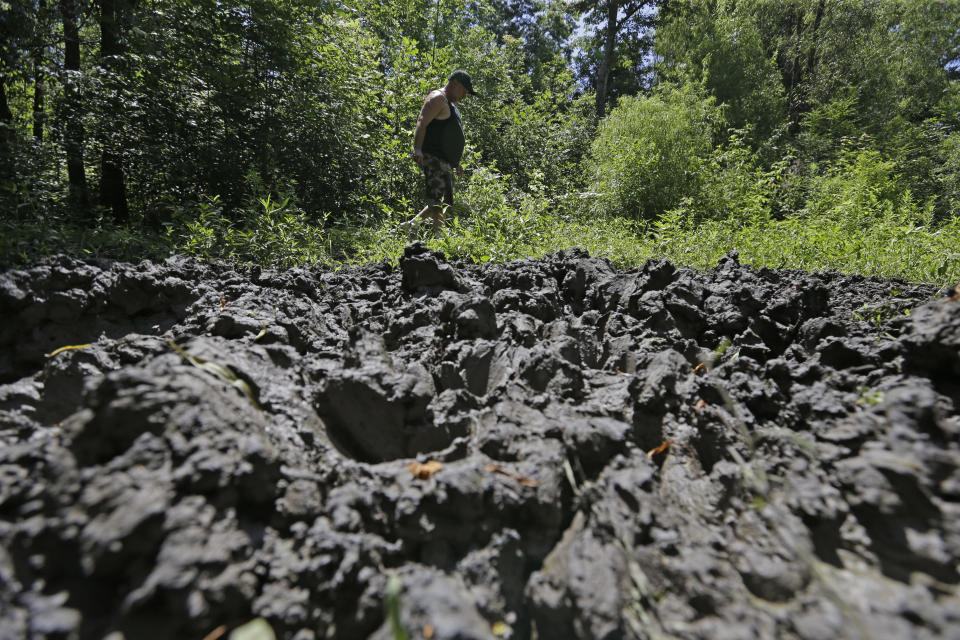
(463, 78)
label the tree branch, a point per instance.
(630, 11)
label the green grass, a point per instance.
(884, 249)
(911, 252)
(489, 225)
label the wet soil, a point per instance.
(545, 449)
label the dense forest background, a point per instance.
(802, 133)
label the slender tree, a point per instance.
(73, 134)
(798, 62)
(113, 191)
(613, 19)
(6, 119)
(39, 76)
(16, 28)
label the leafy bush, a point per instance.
(860, 191)
(492, 220)
(857, 218)
(948, 174)
(733, 186)
(723, 45)
(649, 152)
(269, 233)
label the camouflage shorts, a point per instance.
(438, 178)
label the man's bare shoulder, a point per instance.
(435, 96)
(435, 106)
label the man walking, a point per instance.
(438, 145)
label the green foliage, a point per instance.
(500, 224)
(649, 152)
(837, 119)
(726, 46)
(947, 173)
(541, 139)
(391, 607)
(862, 191)
(22, 243)
(282, 89)
(870, 396)
(494, 221)
(879, 314)
(732, 186)
(268, 233)
(890, 241)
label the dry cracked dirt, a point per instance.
(545, 449)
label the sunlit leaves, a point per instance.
(648, 151)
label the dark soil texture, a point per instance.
(545, 449)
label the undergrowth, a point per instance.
(888, 248)
(854, 231)
(845, 228)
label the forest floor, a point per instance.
(547, 448)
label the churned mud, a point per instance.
(544, 449)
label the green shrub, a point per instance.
(493, 221)
(858, 218)
(266, 232)
(948, 174)
(649, 152)
(732, 186)
(860, 191)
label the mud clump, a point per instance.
(545, 449)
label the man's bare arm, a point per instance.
(432, 106)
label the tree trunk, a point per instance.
(609, 42)
(39, 92)
(6, 116)
(39, 116)
(113, 191)
(73, 134)
(812, 53)
(801, 71)
(6, 121)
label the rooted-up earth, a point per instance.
(544, 449)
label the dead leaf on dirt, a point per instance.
(623, 373)
(216, 633)
(428, 631)
(67, 348)
(699, 366)
(423, 470)
(653, 452)
(223, 303)
(701, 404)
(525, 481)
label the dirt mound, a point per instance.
(544, 449)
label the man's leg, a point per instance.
(438, 180)
(432, 212)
